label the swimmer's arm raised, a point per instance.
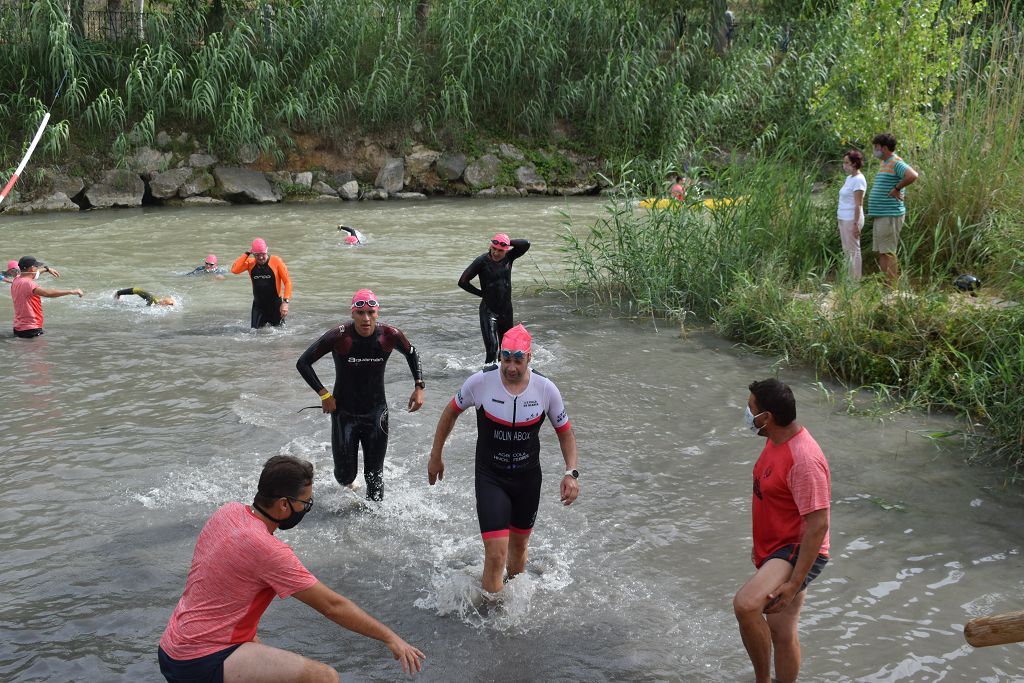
(349, 615)
(241, 264)
(519, 247)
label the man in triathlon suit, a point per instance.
(792, 488)
(209, 267)
(358, 407)
(271, 286)
(495, 272)
(25, 293)
(237, 569)
(511, 402)
(146, 296)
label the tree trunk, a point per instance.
(719, 29)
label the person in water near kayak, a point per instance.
(358, 406)
(495, 272)
(149, 298)
(511, 403)
(792, 489)
(271, 286)
(237, 568)
(209, 267)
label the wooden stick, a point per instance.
(995, 629)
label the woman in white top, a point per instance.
(851, 211)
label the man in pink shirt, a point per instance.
(237, 569)
(25, 292)
(792, 488)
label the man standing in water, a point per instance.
(237, 568)
(792, 487)
(358, 407)
(495, 272)
(511, 403)
(25, 293)
(271, 286)
(885, 204)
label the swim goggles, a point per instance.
(518, 355)
(499, 243)
(372, 303)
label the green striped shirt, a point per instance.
(889, 174)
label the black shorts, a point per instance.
(28, 334)
(790, 553)
(208, 669)
(507, 503)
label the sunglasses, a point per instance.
(372, 303)
(518, 355)
(499, 243)
(307, 505)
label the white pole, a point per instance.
(24, 161)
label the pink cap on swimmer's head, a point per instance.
(12, 265)
(351, 239)
(501, 241)
(259, 246)
(516, 339)
(364, 298)
(212, 259)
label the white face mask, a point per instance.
(749, 417)
(878, 154)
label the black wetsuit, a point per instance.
(495, 292)
(362, 413)
(266, 302)
(150, 299)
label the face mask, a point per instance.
(749, 417)
(878, 154)
(288, 522)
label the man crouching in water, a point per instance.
(237, 569)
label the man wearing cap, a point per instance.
(495, 272)
(209, 267)
(358, 406)
(271, 286)
(237, 568)
(12, 272)
(25, 293)
(511, 402)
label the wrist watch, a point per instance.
(575, 474)
(284, 301)
(420, 384)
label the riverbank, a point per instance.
(173, 169)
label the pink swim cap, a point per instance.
(503, 242)
(259, 246)
(12, 264)
(351, 239)
(212, 259)
(516, 339)
(366, 296)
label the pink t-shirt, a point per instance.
(237, 569)
(28, 308)
(791, 480)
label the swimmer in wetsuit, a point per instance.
(149, 298)
(209, 267)
(358, 407)
(354, 237)
(495, 272)
(271, 286)
(511, 403)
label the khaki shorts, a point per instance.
(885, 233)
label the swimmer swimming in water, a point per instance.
(354, 237)
(149, 298)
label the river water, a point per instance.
(126, 427)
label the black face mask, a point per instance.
(288, 522)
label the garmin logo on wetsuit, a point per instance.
(352, 359)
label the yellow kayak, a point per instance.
(655, 203)
(710, 204)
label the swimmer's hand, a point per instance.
(435, 469)
(410, 657)
(570, 490)
(329, 404)
(416, 400)
(117, 297)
